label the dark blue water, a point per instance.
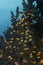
(5, 16)
(4, 19)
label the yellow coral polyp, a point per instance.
(26, 27)
(39, 53)
(25, 23)
(22, 20)
(24, 45)
(26, 34)
(10, 57)
(8, 43)
(14, 47)
(34, 51)
(26, 37)
(22, 40)
(9, 46)
(18, 38)
(42, 40)
(34, 46)
(31, 56)
(17, 24)
(34, 62)
(14, 31)
(1, 55)
(17, 31)
(5, 41)
(21, 53)
(20, 43)
(30, 40)
(11, 41)
(6, 47)
(30, 36)
(38, 57)
(26, 49)
(12, 38)
(22, 25)
(22, 33)
(26, 31)
(41, 62)
(25, 41)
